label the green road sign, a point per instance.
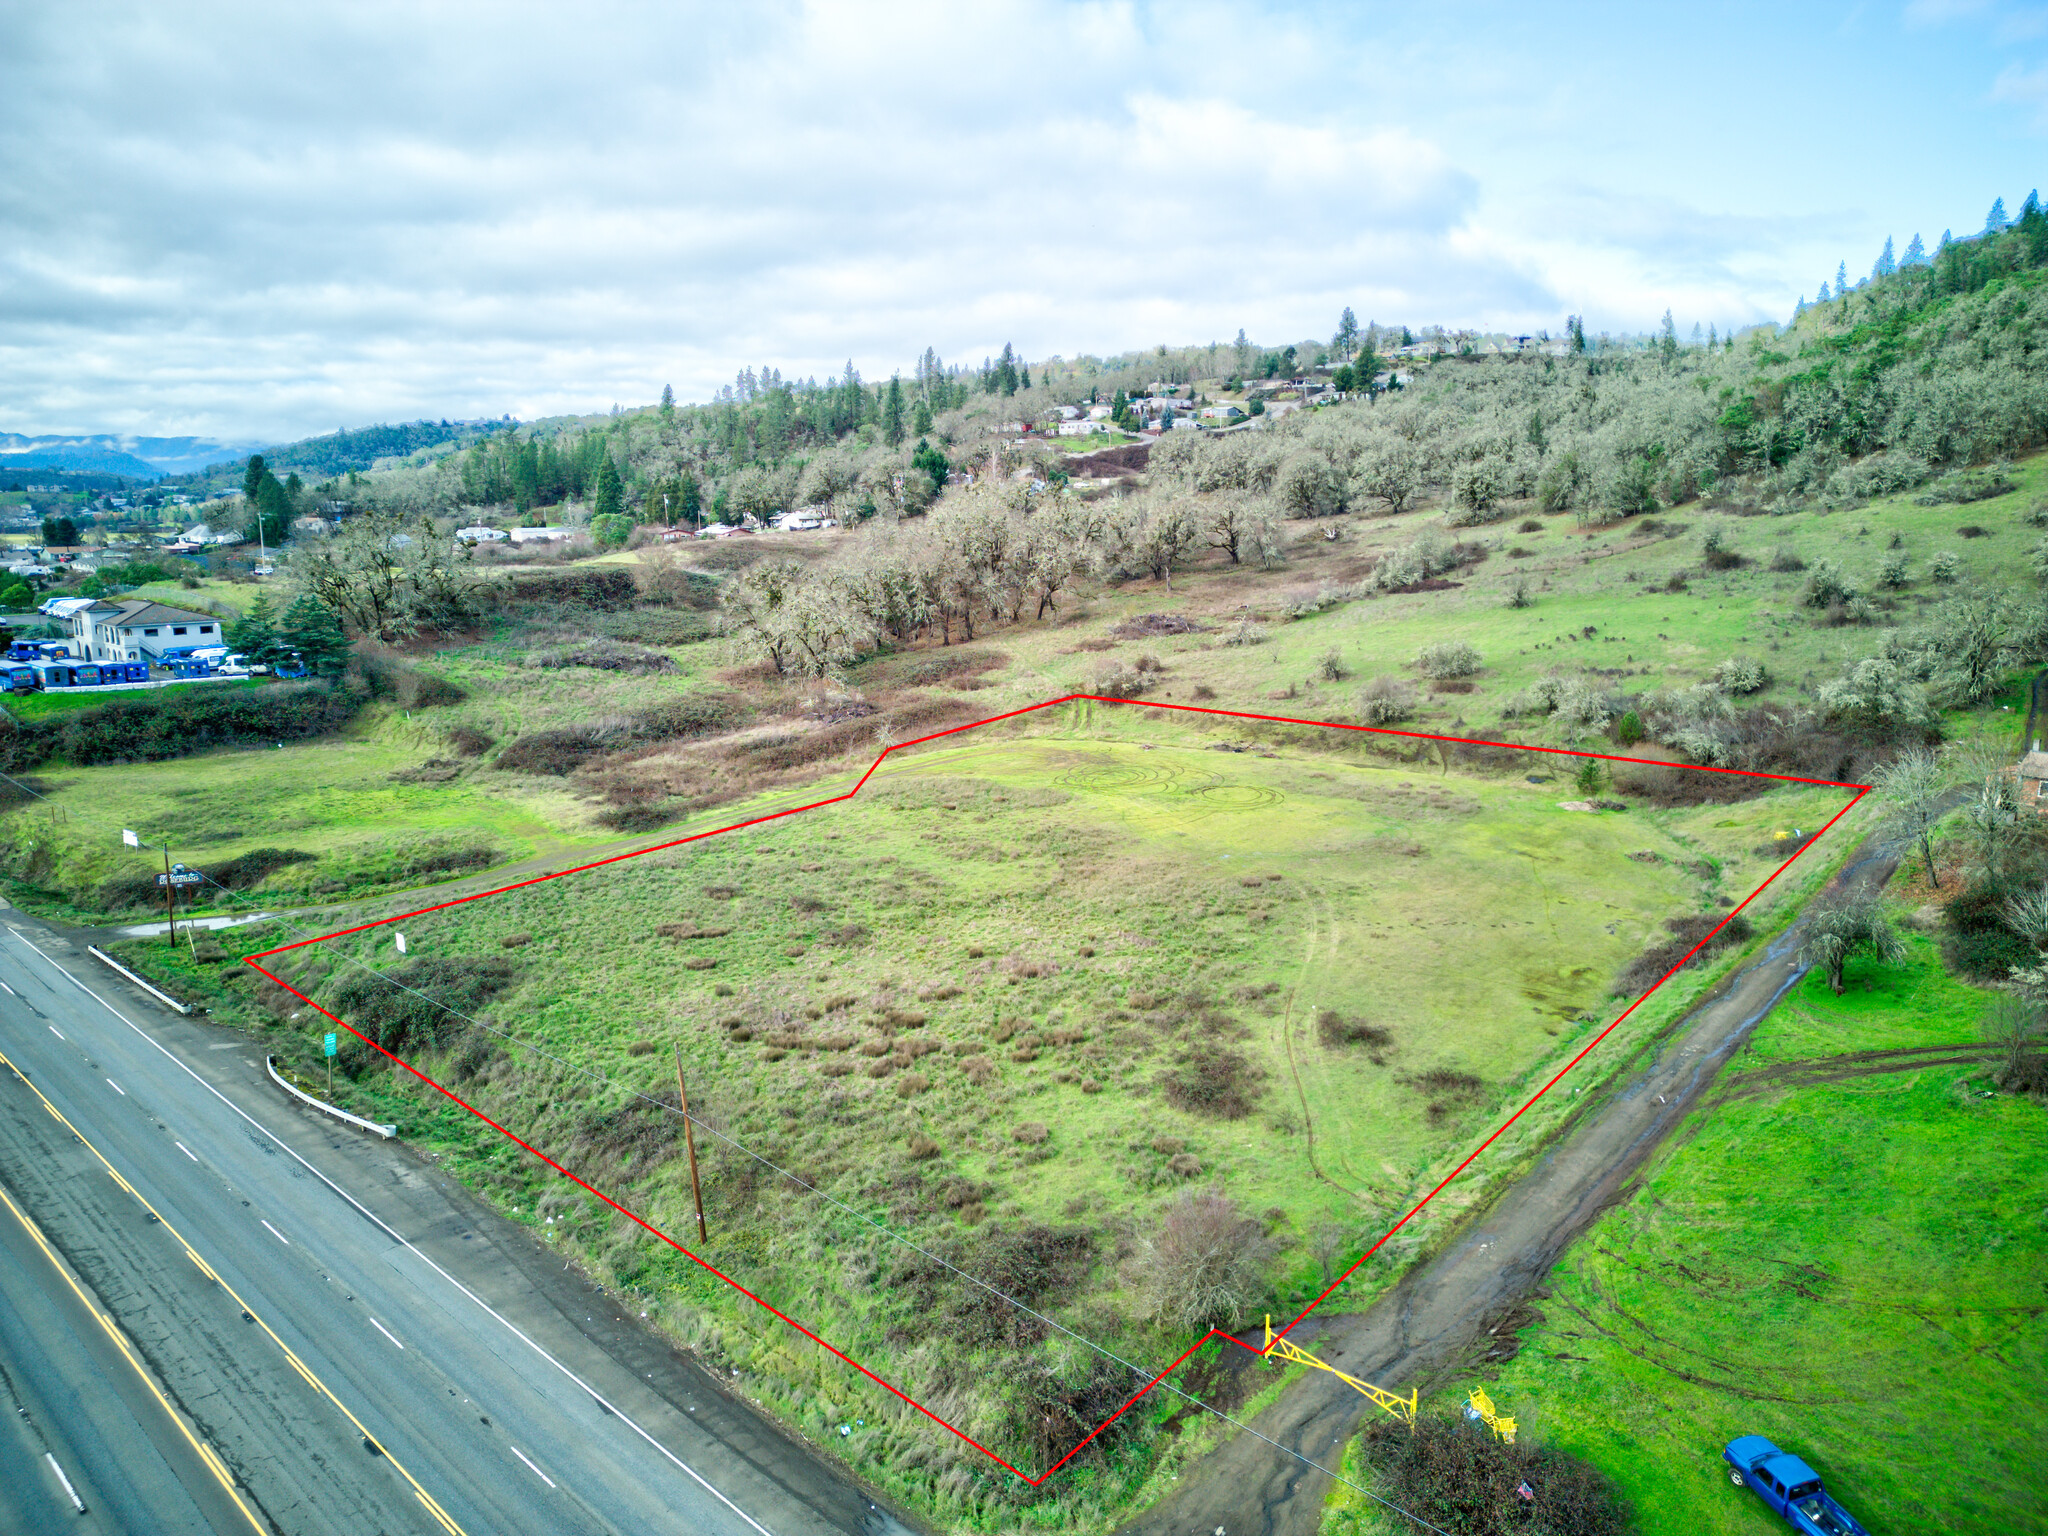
(332, 1048)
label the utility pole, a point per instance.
(690, 1145)
(170, 896)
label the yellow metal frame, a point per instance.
(1402, 1408)
(1499, 1423)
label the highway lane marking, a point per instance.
(120, 1342)
(248, 1311)
(10, 991)
(384, 1226)
(184, 1149)
(57, 1032)
(276, 1234)
(536, 1471)
(117, 1088)
(73, 1492)
(385, 1331)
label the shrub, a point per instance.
(1628, 730)
(161, 726)
(1518, 592)
(1826, 584)
(1330, 666)
(1686, 932)
(1448, 658)
(1464, 1483)
(1334, 1029)
(1892, 570)
(1203, 1266)
(1245, 632)
(1742, 674)
(1945, 568)
(420, 1003)
(1114, 680)
(1786, 560)
(1386, 701)
(1212, 1080)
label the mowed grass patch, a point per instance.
(1853, 1269)
(345, 800)
(1038, 985)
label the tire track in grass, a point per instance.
(1308, 1120)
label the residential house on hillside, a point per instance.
(139, 630)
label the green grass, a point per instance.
(63, 701)
(1853, 1270)
(209, 596)
(1167, 896)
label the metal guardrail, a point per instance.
(386, 1131)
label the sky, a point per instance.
(261, 222)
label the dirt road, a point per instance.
(1440, 1313)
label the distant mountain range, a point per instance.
(105, 453)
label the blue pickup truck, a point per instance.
(1789, 1486)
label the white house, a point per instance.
(542, 535)
(479, 534)
(139, 630)
(1098, 413)
(1223, 412)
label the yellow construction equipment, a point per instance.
(1480, 1406)
(1402, 1408)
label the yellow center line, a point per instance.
(200, 1449)
(297, 1364)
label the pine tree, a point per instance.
(310, 628)
(1823, 296)
(1713, 340)
(1946, 240)
(1346, 339)
(1023, 375)
(892, 413)
(1916, 253)
(668, 402)
(610, 494)
(921, 418)
(271, 513)
(1006, 372)
(690, 498)
(1667, 337)
(1995, 220)
(252, 477)
(2031, 206)
(1886, 265)
(254, 634)
(1842, 280)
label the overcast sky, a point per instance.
(264, 221)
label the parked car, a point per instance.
(1789, 1486)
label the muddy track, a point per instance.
(1849, 1065)
(1442, 1313)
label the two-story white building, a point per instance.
(139, 630)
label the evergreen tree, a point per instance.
(254, 634)
(1916, 253)
(1667, 337)
(2031, 205)
(1346, 339)
(933, 463)
(689, 498)
(1946, 240)
(921, 420)
(1995, 220)
(1886, 265)
(310, 628)
(610, 494)
(1243, 351)
(892, 413)
(1713, 340)
(294, 487)
(1823, 296)
(1006, 372)
(270, 515)
(252, 477)
(668, 402)
(1023, 375)
(1842, 280)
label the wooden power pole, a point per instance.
(170, 896)
(690, 1145)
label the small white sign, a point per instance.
(401, 943)
(128, 836)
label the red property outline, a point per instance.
(1499, 1131)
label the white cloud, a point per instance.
(253, 220)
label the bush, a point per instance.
(1826, 584)
(1742, 674)
(1892, 570)
(159, 726)
(1245, 632)
(1204, 1265)
(1212, 1080)
(420, 1003)
(1330, 666)
(1448, 658)
(1628, 730)
(1386, 701)
(1686, 932)
(1945, 568)
(1462, 1481)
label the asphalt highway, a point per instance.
(225, 1312)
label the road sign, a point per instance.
(128, 836)
(401, 943)
(181, 877)
(332, 1047)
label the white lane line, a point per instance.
(277, 1234)
(184, 1149)
(532, 1468)
(80, 1503)
(385, 1227)
(117, 1088)
(385, 1331)
(57, 1032)
(9, 990)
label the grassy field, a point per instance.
(39, 706)
(1025, 992)
(1851, 1268)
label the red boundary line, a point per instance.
(1214, 1333)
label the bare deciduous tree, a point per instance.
(1204, 1266)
